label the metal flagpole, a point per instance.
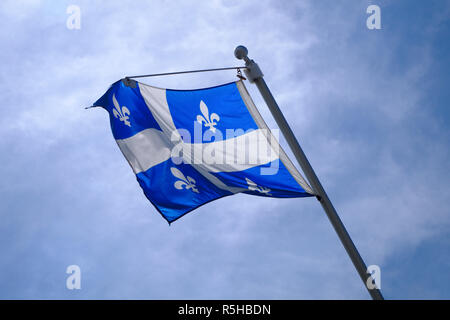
(254, 75)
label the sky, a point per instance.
(369, 108)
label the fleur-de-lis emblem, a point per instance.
(254, 187)
(210, 121)
(121, 113)
(186, 182)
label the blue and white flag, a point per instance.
(189, 147)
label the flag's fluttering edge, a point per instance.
(189, 147)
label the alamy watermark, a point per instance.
(73, 21)
(374, 279)
(74, 280)
(374, 20)
(234, 148)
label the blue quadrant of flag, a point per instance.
(190, 147)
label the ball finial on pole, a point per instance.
(251, 70)
(241, 52)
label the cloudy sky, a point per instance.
(369, 107)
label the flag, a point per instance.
(190, 147)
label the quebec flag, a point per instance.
(190, 147)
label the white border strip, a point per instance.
(262, 125)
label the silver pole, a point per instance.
(254, 75)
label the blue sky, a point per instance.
(369, 107)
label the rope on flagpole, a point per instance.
(181, 72)
(127, 79)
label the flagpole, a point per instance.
(255, 75)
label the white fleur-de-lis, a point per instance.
(186, 182)
(121, 113)
(210, 121)
(254, 187)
